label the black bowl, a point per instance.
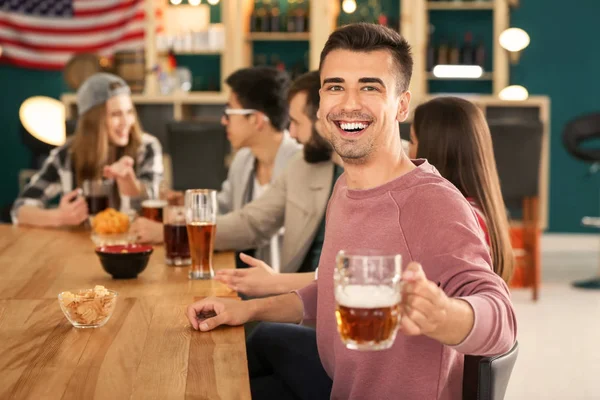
(124, 261)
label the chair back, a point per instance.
(517, 148)
(198, 150)
(486, 378)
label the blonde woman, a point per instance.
(108, 143)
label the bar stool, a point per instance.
(577, 132)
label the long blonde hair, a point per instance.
(91, 148)
(454, 137)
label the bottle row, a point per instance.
(268, 18)
(451, 53)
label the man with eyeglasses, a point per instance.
(255, 119)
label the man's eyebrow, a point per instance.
(333, 80)
(371, 80)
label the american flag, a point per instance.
(45, 34)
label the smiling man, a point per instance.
(452, 302)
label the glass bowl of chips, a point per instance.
(88, 308)
(111, 227)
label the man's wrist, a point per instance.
(255, 306)
(458, 324)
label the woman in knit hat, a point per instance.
(108, 144)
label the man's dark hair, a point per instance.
(364, 37)
(317, 149)
(263, 89)
(310, 84)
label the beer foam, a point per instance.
(197, 223)
(153, 203)
(367, 296)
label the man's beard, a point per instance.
(317, 149)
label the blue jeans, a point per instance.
(284, 363)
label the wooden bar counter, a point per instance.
(147, 350)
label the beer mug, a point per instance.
(153, 207)
(177, 246)
(201, 218)
(367, 295)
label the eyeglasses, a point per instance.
(240, 111)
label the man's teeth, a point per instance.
(353, 126)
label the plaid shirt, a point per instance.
(57, 174)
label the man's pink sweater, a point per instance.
(424, 218)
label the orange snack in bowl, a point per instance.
(110, 221)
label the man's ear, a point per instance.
(403, 106)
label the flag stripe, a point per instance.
(86, 12)
(92, 28)
(26, 22)
(86, 47)
(56, 61)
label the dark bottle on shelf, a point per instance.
(265, 19)
(254, 26)
(300, 17)
(467, 53)
(430, 49)
(442, 54)
(275, 19)
(453, 54)
(291, 19)
(430, 56)
(480, 55)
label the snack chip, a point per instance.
(110, 221)
(88, 307)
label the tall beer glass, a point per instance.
(201, 218)
(367, 294)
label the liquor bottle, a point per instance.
(307, 18)
(430, 49)
(442, 54)
(453, 54)
(480, 55)
(467, 53)
(300, 17)
(265, 18)
(254, 19)
(275, 19)
(291, 18)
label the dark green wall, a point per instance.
(562, 62)
(17, 85)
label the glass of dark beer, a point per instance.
(367, 295)
(153, 209)
(201, 218)
(177, 247)
(96, 193)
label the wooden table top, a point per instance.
(147, 350)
